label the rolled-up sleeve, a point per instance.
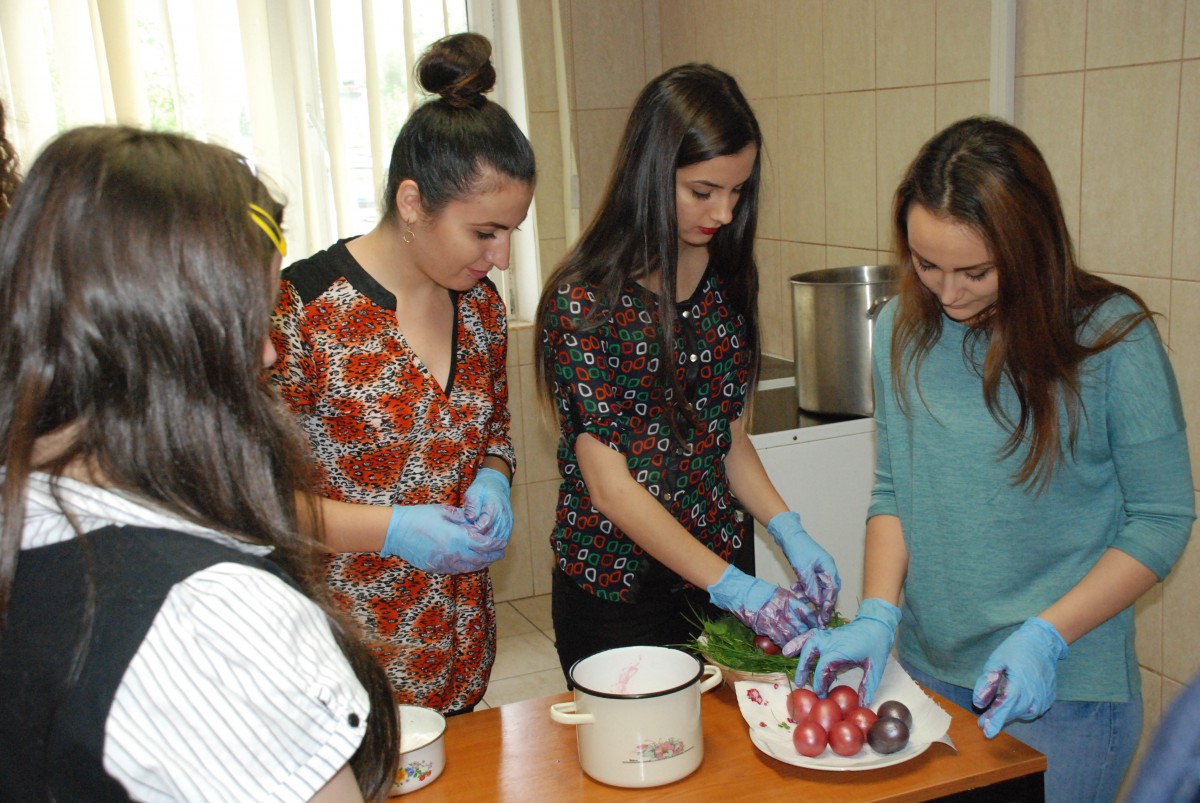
(1150, 452)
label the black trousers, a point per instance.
(666, 615)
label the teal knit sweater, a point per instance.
(985, 555)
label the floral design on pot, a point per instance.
(658, 751)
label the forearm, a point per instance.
(1111, 586)
(885, 564)
(748, 479)
(623, 501)
(348, 527)
(498, 464)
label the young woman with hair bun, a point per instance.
(392, 350)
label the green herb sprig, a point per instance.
(730, 643)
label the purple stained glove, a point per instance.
(777, 613)
(487, 504)
(1018, 680)
(814, 567)
(866, 641)
(439, 539)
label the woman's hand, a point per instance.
(814, 567)
(866, 642)
(1018, 680)
(777, 613)
(439, 539)
(487, 505)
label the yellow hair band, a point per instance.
(262, 218)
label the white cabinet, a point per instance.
(825, 474)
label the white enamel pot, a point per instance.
(637, 714)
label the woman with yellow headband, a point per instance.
(161, 634)
(392, 351)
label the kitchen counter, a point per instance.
(517, 753)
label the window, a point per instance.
(311, 91)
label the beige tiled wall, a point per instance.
(846, 91)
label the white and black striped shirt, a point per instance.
(238, 691)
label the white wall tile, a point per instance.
(1181, 647)
(1184, 340)
(904, 122)
(849, 44)
(905, 31)
(1050, 36)
(609, 56)
(766, 110)
(1049, 108)
(953, 102)
(1129, 133)
(537, 38)
(850, 169)
(1121, 33)
(963, 40)
(1185, 255)
(801, 175)
(1191, 30)
(799, 46)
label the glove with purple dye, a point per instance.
(865, 641)
(1018, 680)
(777, 613)
(814, 567)
(439, 539)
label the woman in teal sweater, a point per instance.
(1032, 474)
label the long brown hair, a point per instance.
(988, 175)
(137, 299)
(687, 115)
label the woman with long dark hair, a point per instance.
(650, 345)
(1032, 477)
(392, 354)
(161, 634)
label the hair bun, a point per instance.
(459, 68)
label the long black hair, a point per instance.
(449, 143)
(689, 114)
(138, 290)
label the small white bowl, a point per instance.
(422, 748)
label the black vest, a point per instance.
(52, 728)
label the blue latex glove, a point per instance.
(438, 538)
(487, 504)
(814, 567)
(777, 613)
(1018, 680)
(865, 641)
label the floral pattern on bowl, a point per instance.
(416, 771)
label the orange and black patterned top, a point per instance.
(384, 431)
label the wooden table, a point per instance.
(517, 753)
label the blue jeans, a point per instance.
(1088, 746)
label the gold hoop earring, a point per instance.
(408, 236)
